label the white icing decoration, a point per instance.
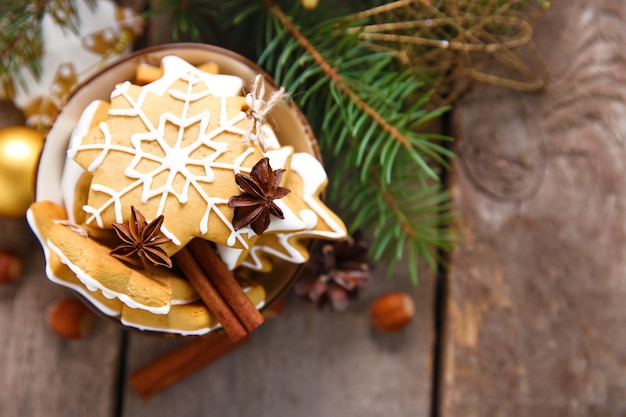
(193, 332)
(279, 157)
(253, 261)
(82, 290)
(221, 85)
(196, 332)
(230, 256)
(182, 301)
(108, 34)
(314, 178)
(291, 222)
(177, 158)
(271, 141)
(309, 217)
(170, 235)
(89, 282)
(72, 171)
(239, 160)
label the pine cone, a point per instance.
(336, 272)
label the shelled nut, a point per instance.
(391, 312)
(70, 318)
(11, 267)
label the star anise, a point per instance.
(260, 189)
(336, 272)
(140, 238)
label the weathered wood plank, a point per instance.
(43, 374)
(308, 362)
(535, 314)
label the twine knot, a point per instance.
(258, 110)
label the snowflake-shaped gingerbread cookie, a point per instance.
(171, 147)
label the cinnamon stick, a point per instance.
(181, 362)
(226, 284)
(207, 292)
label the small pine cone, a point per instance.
(336, 272)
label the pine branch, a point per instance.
(367, 112)
(407, 219)
(332, 73)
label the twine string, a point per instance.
(259, 109)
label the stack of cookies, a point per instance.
(177, 183)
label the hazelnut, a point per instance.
(391, 312)
(69, 318)
(11, 267)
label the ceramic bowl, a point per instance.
(290, 127)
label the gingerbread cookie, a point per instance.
(42, 216)
(187, 319)
(170, 148)
(93, 265)
(186, 315)
(178, 151)
(75, 181)
(147, 73)
(307, 181)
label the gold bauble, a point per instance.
(310, 4)
(20, 148)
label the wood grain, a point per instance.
(42, 374)
(308, 362)
(535, 317)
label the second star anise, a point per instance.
(260, 189)
(140, 237)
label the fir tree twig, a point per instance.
(370, 138)
(333, 74)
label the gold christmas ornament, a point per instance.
(310, 4)
(20, 148)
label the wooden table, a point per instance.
(529, 320)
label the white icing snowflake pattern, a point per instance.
(291, 246)
(187, 146)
